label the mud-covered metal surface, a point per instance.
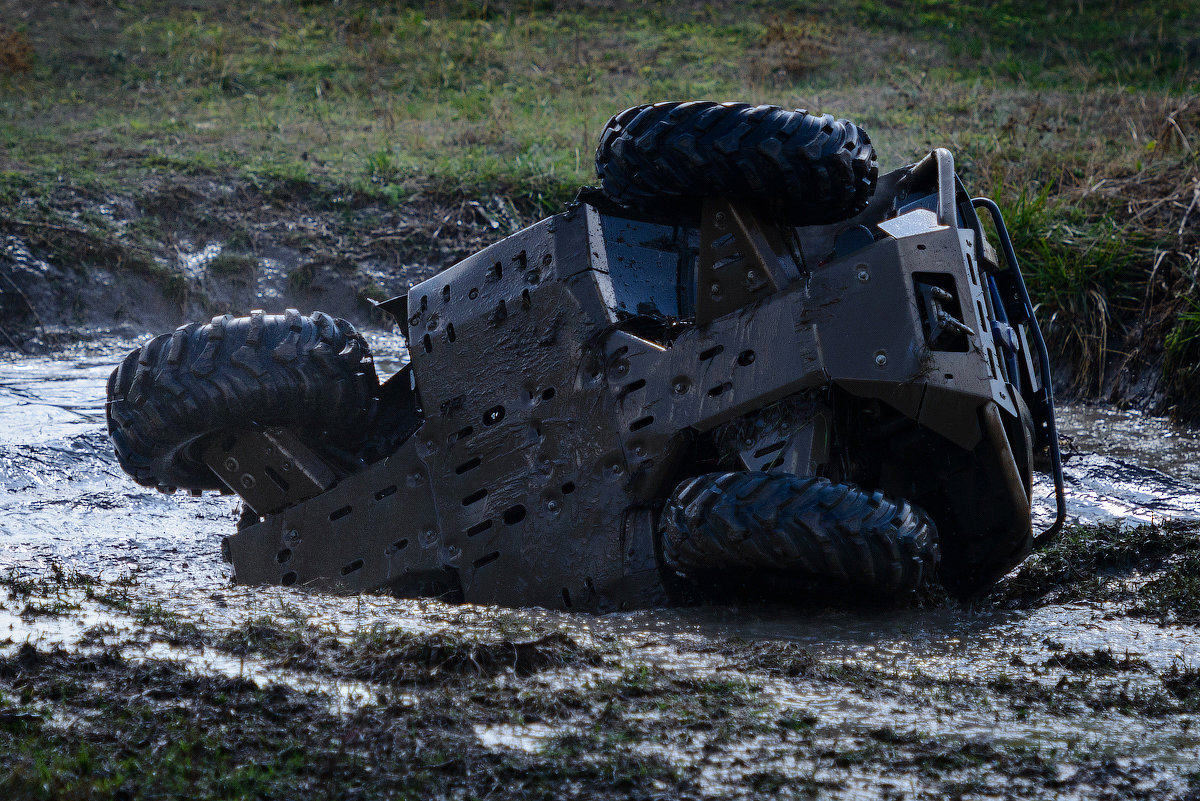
(116, 610)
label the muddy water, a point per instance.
(64, 497)
(65, 503)
(1127, 465)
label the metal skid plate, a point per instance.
(376, 531)
(528, 470)
(738, 261)
(270, 469)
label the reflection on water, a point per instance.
(1151, 442)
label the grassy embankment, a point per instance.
(127, 125)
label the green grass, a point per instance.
(450, 98)
(1093, 562)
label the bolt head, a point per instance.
(881, 359)
(715, 288)
(247, 481)
(232, 465)
(680, 387)
(552, 506)
(863, 276)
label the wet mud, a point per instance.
(131, 667)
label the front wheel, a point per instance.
(724, 526)
(312, 374)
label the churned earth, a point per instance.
(130, 667)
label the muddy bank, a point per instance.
(75, 265)
(130, 667)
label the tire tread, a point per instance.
(809, 527)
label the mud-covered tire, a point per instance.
(806, 168)
(313, 374)
(771, 524)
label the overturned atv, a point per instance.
(746, 362)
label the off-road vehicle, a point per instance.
(744, 363)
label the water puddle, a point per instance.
(531, 738)
(69, 620)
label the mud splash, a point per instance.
(1061, 700)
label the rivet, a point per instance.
(552, 506)
(247, 481)
(293, 536)
(622, 369)
(474, 293)
(231, 465)
(880, 359)
(286, 466)
(863, 276)
(639, 451)
(715, 288)
(680, 387)
(615, 469)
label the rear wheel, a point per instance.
(312, 374)
(808, 169)
(725, 526)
